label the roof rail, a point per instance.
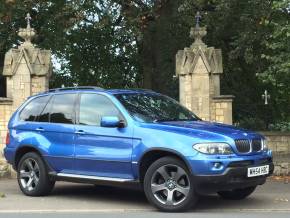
(141, 89)
(74, 88)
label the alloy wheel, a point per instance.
(170, 184)
(29, 174)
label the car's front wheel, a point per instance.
(168, 185)
(32, 176)
(237, 194)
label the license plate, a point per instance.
(258, 171)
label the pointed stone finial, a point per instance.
(28, 19)
(27, 33)
(197, 19)
(198, 32)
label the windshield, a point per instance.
(155, 108)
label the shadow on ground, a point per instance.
(136, 197)
(100, 193)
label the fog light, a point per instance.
(217, 165)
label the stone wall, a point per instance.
(221, 109)
(39, 84)
(5, 113)
(279, 143)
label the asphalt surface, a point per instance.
(82, 200)
(151, 214)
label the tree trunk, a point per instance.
(158, 50)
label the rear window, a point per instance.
(33, 109)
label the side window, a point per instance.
(33, 109)
(44, 116)
(63, 110)
(59, 110)
(93, 107)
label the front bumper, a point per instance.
(232, 178)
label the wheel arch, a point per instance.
(24, 150)
(154, 154)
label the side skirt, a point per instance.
(96, 180)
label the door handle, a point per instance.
(81, 132)
(40, 129)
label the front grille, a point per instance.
(244, 163)
(243, 145)
(256, 144)
(246, 145)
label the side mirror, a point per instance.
(112, 122)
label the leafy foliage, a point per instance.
(132, 43)
(255, 45)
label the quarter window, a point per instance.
(93, 107)
(33, 109)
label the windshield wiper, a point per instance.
(168, 120)
(163, 120)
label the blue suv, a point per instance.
(92, 135)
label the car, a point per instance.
(132, 136)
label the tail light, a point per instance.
(7, 138)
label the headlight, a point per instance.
(213, 148)
(264, 145)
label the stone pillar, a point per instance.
(199, 68)
(27, 70)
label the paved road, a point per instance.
(78, 200)
(147, 214)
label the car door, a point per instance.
(56, 124)
(100, 151)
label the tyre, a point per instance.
(32, 176)
(237, 194)
(169, 186)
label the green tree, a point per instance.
(100, 50)
(253, 38)
(132, 43)
(277, 57)
(86, 38)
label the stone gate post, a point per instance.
(199, 68)
(27, 70)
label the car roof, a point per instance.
(97, 90)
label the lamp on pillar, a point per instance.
(199, 68)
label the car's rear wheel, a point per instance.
(32, 176)
(237, 194)
(169, 186)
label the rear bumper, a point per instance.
(232, 178)
(9, 154)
